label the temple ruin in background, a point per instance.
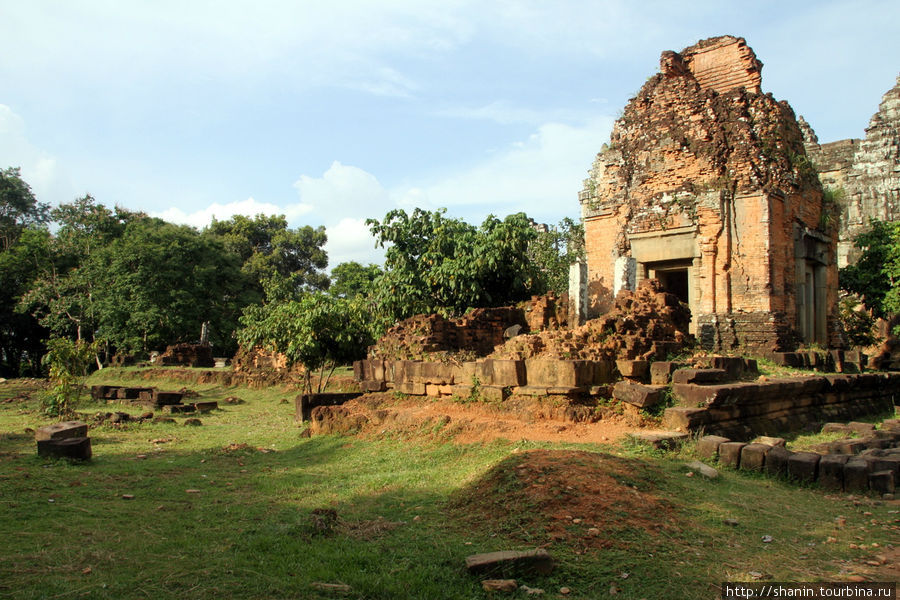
(706, 185)
(867, 171)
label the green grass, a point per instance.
(247, 531)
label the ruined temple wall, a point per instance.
(867, 170)
(706, 175)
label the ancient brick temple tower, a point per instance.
(706, 185)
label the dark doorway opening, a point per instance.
(675, 282)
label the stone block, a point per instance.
(891, 424)
(661, 440)
(493, 393)
(753, 456)
(831, 471)
(777, 461)
(882, 482)
(771, 441)
(504, 373)
(411, 388)
(175, 409)
(856, 475)
(637, 394)
(803, 466)
(166, 398)
(206, 406)
(661, 371)
(861, 428)
(682, 418)
(699, 376)
(368, 387)
(545, 372)
(530, 561)
(730, 453)
(708, 446)
(75, 448)
(836, 428)
(61, 431)
(634, 369)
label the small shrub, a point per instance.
(68, 363)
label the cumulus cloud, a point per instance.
(249, 207)
(540, 176)
(350, 239)
(39, 168)
(342, 190)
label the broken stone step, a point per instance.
(76, 448)
(60, 431)
(532, 561)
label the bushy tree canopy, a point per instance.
(875, 277)
(439, 264)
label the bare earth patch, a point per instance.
(584, 500)
(382, 413)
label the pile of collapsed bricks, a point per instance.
(646, 324)
(193, 355)
(869, 463)
(477, 332)
(168, 402)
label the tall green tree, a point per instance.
(22, 235)
(19, 208)
(554, 250)
(439, 264)
(351, 279)
(158, 282)
(875, 277)
(281, 261)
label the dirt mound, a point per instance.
(383, 413)
(645, 324)
(585, 500)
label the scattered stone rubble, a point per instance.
(870, 463)
(645, 324)
(168, 401)
(192, 355)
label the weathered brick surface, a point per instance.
(803, 466)
(702, 175)
(708, 445)
(637, 394)
(753, 456)
(61, 431)
(831, 471)
(730, 453)
(661, 371)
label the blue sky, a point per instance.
(334, 112)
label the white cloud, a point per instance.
(38, 168)
(249, 207)
(507, 114)
(540, 176)
(342, 190)
(350, 239)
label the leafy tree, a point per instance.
(554, 250)
(317, 331)
(281, 261)
(18, 207)
(22, 228)
(64, 293)
(437, 264)
(68, 363)
(21, 334)
(350, 279)
(875, 277)
(158, 282)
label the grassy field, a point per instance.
(233, 509)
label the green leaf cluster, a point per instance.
(875, 277)
(68, 363)
(436, 264)
(316, 330)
